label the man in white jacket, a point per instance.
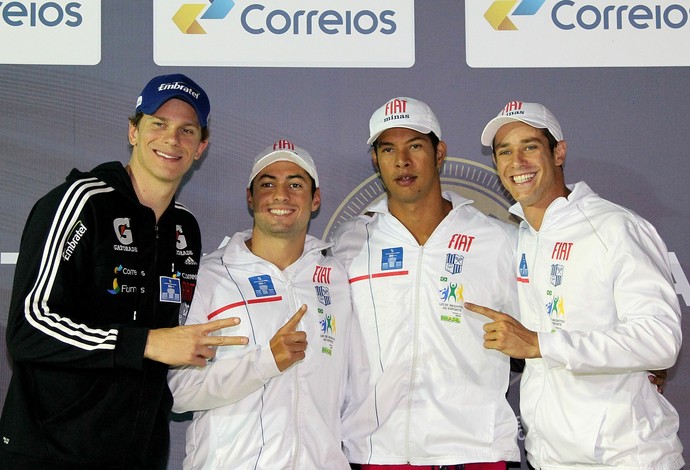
(433, 396)
(597, 310)
(275, 403)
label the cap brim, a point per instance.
(281, 156)
(492, 127)
(421, 129)
(152, 107)
(496, 123)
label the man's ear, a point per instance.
(200, 149)
(559, 153)
(132, 134)
(316, 200)
(441, 150)
(375, 159)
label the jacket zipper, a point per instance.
(415, 347)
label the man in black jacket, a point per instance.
(107, 263)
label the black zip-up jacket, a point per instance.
(94, 274)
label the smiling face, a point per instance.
(281, 199)
(166, 144)
(409, 166)
(528, 168)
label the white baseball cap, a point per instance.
(284, 151)
(403, 112)
(534, 114)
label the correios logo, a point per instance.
(577, 33)
(33, 14)
(258, 19)
(56, 32)
(279, 33)
(498, 12)
(186, 17)
(568, 14)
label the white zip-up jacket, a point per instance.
(434, 395)
(248, 415)
(595, 282)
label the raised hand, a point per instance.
(506, 334)
(289, 345)
(190, 344)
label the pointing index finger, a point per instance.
(487, 312)
(292, 323)
(216, 325)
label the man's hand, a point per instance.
(289, 345)
(190, 344)
(658, 378)
(506, 334)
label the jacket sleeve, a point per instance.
(52, 271)
(240, 371)
(647, 335)
(358, 370)
(223, 381)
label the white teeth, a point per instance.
(280, 211)
(523, 178)
(165, 155)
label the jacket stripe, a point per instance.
(377, 275)
(36, 309)
(242, 302)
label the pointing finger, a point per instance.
(487, 312)
(228, 340)
(216, 325)
(292, 323)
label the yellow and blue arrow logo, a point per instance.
(498, 12)
(186, 17)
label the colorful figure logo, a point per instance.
(555, 307)
(452, 291)
(328, 324)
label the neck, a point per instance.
(282, 252)
(421, 219)
(534, 214)
(153, 195)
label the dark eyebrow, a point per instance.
(413, 139)
(167, 120)
(289, 177)
(523, 141)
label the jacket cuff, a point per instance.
(130, 346)
(267, 366)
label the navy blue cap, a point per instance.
(166, 87)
